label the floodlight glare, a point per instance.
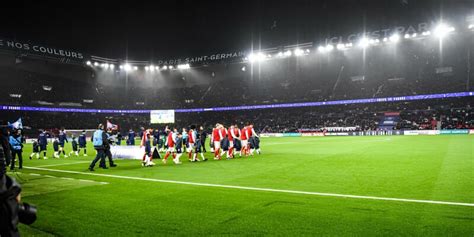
(147, 68)
(152, 68)
(340, 46)
(322, 49)
(298, 52)
(256, 57)
(442, 30)
(135, 68)
(288, 53)
(394, 38)
(96, 64)
(88, 63)
(329, 47)
(426, 33)
(112, 66)
(127, 67)
(364, 42)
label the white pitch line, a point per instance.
(70, 163)
(262, 189)
(67, 178)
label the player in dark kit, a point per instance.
(56, 147)
(179, 147)
(43, 142)
(131, 138)
(82, 143)
(74, 146)
(62, 141)
(199, 146)
(36, 150)
(203, 138)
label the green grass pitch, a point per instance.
(433, 168)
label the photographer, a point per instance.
(11, 210)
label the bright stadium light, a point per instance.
(121, 66)
(288, 53)
(407, 36)
(348, 45)
(471, 26)
(164, 67)
(106, 65)
(322, 49)
(147, 68)
(340, 46)
(112, 66)
(364, 42)
(243, 69)
(96, 64)
(414, 35)
(127, 67)
(157, 68)
(151, 68)
(135, 68)
(385, 39)
(184, 66)
(426, 33)
(394, 38)
(88, 63)
(442, 30)
(258, 57)
(298, 52)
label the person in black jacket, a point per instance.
(203, 138)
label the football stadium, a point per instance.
(237, 118)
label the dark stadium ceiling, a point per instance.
(147, 30)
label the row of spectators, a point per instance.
(451, 113)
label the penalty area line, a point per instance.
(261, 189)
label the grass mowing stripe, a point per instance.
(263, 189)
(72, 163)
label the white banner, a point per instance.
(161, 116)
(127, 152)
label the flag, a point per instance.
(16, 125)
(111, 126)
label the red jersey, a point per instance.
(217, 135)
(244, 134)
(234, 131)
(191, 137)
(169, 140)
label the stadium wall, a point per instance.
(375, 133)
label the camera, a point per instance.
(12, 211)
(26, 213)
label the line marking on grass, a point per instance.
(262, 189)
(71, 163)
(67, 178)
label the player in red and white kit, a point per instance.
(217, 137)
(232, 134)
(244, 136)
(170, 141)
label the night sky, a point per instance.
(168, 29)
